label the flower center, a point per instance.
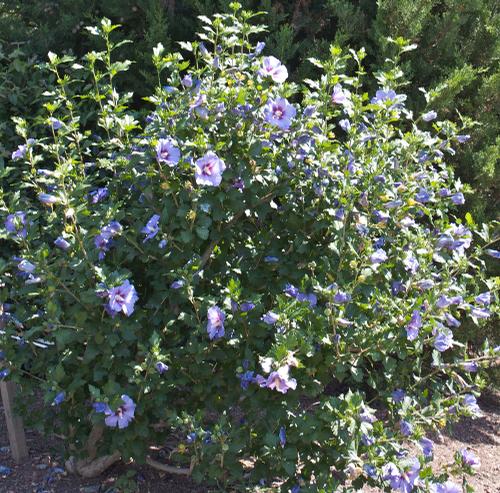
(208, 169)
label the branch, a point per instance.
(184, 471)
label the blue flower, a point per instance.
(493, 253)
(270, 318)
(161, 367)
(458, 198)
(406, 428)
(152, 227)
(177, 284)
(272, 67)
(367, 440)
(398, 395)
(215, 326)
(47, 199)
(484, 298)
(342, 298)
(55, 123)
(282, 436)
(122, 299)
(98, 195)
(15, 224)
(279, 112)
(247, 306)
(413, 327)
(59, 398)
(470, 459)
(429, 116)
(61, 243)
(271, 260)
(246, 379)
(443, 340)
(99, 407)
(427, 446)
(378, 257)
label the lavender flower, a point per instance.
(492, 253)
(61, 243)
(470, 459)
(282, 436)
(26, 266)
(340, 96)
(370, 470)
(55, 123)
(280, 380)
(470, 403)
(271, 259)
(463, 138)
(122, 299)
(247, 306)
(406, 428)
(403, 480)
(246, 378)
(59, 398)
(423, 196)
(382, 96)
(151, 229)
(367, 440)
(270, 318)
(458, 198)
(366, 415)
(122, 417)
(342, 298)
(443, 340)
(259, 48)
(447, 487)
(484, 298)
(413, 327)
(103, 240)
(15, 224)
(209, 170)
(345, 125)
(47, 199)
(429, 116)
(167, 152)
(272, 67)
(480, 313)
(378, 257)
(98, 195)
(411, 263)
(161, 367)
(21, 151)
(177, 284)
(427, 446)
(215, 326)
(470, 366)
(187, 81)
(280, 113)
(398, 395)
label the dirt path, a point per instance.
(43, 472)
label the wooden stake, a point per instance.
(15, 429)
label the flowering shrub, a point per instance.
(270, 272)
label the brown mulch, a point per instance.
(44, 472)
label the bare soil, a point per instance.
(44, 471)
